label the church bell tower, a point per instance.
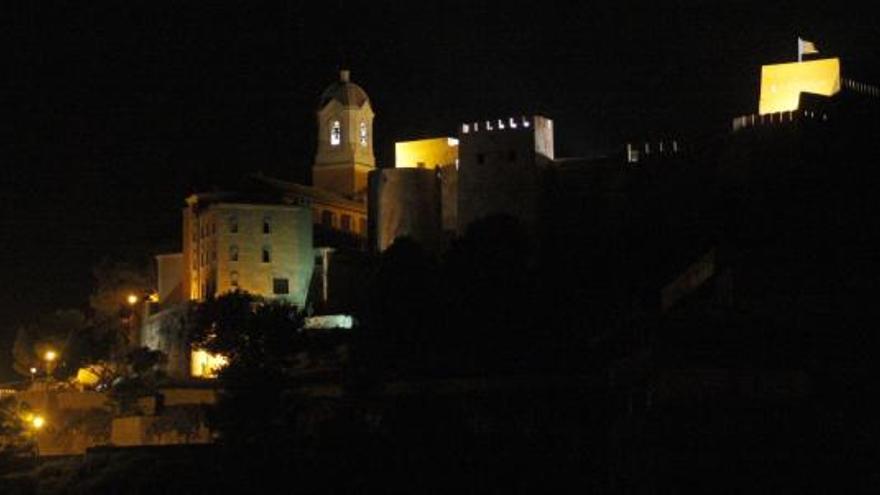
(345, 139)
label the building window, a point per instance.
(363, 133)
(267, 227)
(233, 253)
(363, 225)
(327, 218)
(335, 133)
(280, 286)
(346, 222)
(233, 225)
(233, 279)
(267, 254)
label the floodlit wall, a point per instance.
(499, 166)
(426, 153)
(782, 84)
(224, 250)
(170, 268)
(405, 202)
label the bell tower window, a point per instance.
(363, 134)
(335, 133)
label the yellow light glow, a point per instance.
(206, 365)
(154, 297)
(33, 371)
(782, 84)
(50, 356)
(38, 422)
(86, 376)
(132, 299)
(425, 153)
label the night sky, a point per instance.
(112, 113)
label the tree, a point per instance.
(59, 332)
(14, 440)
(260, 340)
(113, 317)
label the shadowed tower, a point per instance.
(345, 139)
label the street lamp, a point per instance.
(132, 299)
(50, 356)
(38, 422)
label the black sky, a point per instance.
(113, 112)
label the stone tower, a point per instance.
(345, 139)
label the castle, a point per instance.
(305, 243)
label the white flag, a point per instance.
(806, 48)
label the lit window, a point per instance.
(363, 133)
(512, 123)
(346, 222)
(233, 253)
(280, 286)
(335, 133)
(233, 225)
(465, 128)
(267, 255)
(267, 227)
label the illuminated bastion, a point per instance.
(782, 84)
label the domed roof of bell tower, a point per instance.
(345, 92)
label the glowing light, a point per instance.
(425, 153)
(525, 122)
(465, 128)
(782, 84)
(329, 322)
(363, 133)
(489, 126)
(512, 123)
(38, 422)
(33, 371)
(500, 124)
(86, 376)
(154, 297)
(206, 365)
(50, 356)
(335, 133)
(132, 299)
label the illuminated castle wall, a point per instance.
(499, 168)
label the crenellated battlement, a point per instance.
(778, 118)
(510, 123)
(863, 88)
(637, 152)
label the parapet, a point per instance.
(777, 118)
(540, 127)
(637, 152)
